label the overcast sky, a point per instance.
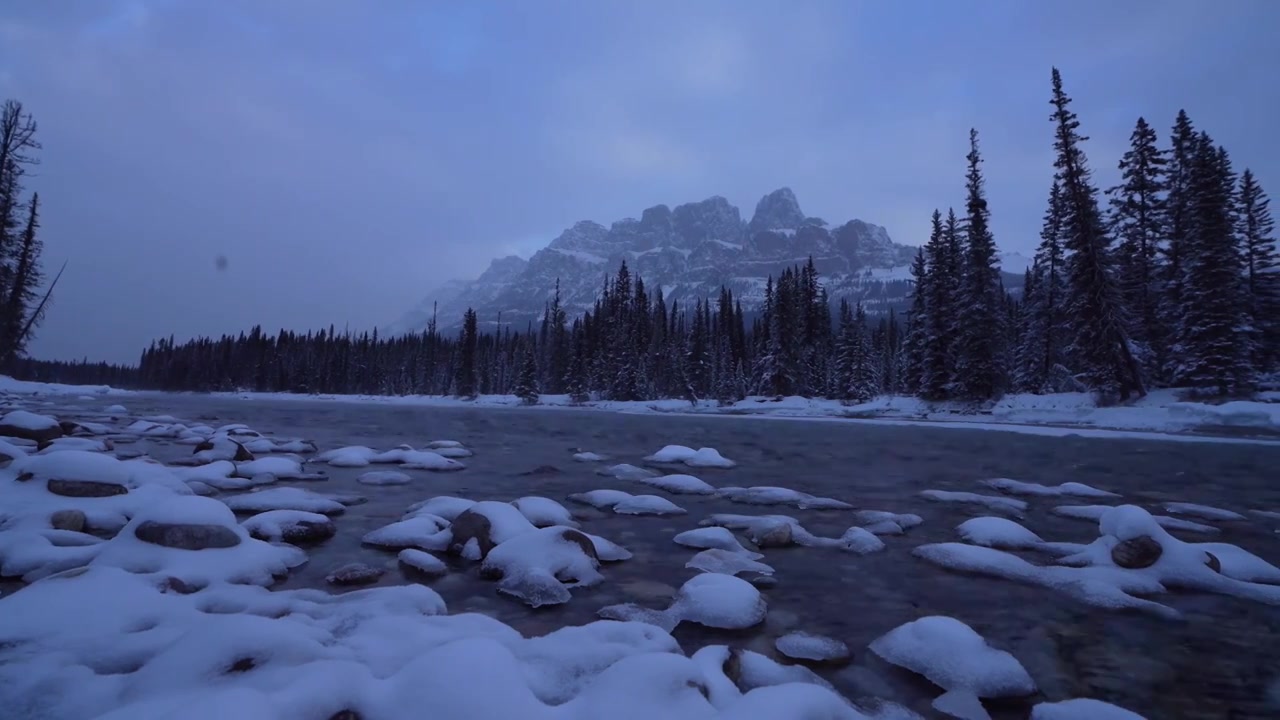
(347, 157)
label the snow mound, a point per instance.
(727, 562)
(445, 506)
(589, 457)
(418, 460)
(284, 468)
(703, 457)
(679, 484)
(769, 495)
(422, 531)
(626, 472)
(1081, 709)
(285, 498)
(1072, 489)
(1207, 512)
(607, 550)
(954, 657)
(29, 425)
(997, 532)
(198, 541)
(538, 567)
(1095, 512)
(600, 499)
(993, 502)
(384, 477)
(484, 526)
(423, 562)
(116, 410)
(75, 443)
(714, 538)
(710, 599)
(544, 512)
(881, 522)
(648, 505)
(815, 648)
(351, 456)
(782, 530)
(290, 526)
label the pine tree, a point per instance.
(465, 380)
(938, 290)
(1179, 203)
(1213, 351)
(526, 387)
(978, 373)
(1042, 316)
(863, 382)
(22, 309)
(1138, 220)
(1262, 272)
(17, 153)
(576, 382)
(913, 344)
(1100, 347)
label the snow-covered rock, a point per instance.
(1095, 512)
(715, 537)
(815, 648)
(484, 526)
(997, 532)
(703, 457)
(648, 505)
(384, 477)
(544, 512)
(86, 444)
(626, 472)
(418, 460)
(589, 457)
(711, 599)
(538, 567)
(283, 468)
(768, 495)
(954, 657)
(993, 502)
(29, 426)
(444, 506)
(285, 498)
(1081, 709)
(881, 522)
(351, 456)
(1207, 512)
(423, 562)
(291, 526)
(782, 530)
(421, 531)
(679, 484)
(727, 562)
(1073, 489)
(600, 499)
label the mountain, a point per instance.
(689, 251)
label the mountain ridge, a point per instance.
(689, 251)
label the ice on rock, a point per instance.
(954, 657)
(727, 562)
(445, 506)
(291, 526)
(994, 502)
(351, 456)
(711, 599)
(961, 704)
(285, 498)
(769, 495)
(1072, 489)
(997, 532)
(680, 484)
(704, 457)
(717, 538)
(423, 562)
(221, 448)
(384, 477)
(648, 505)
(538, 567)
(881, 522)
(1081, 709)
(1207, 512)
(627, 472)
(783, 530)
(1095, 512)
(600, 499)
(198, 541)
(544, 512)
(422, 531)
(816, 648)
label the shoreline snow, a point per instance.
(1158, 416)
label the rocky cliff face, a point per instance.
(689, 251)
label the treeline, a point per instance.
(22, 305)
(1175, 283)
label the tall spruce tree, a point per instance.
(1042, 316)
(979, 373)
(19, 245)
(1179, 208)
(465, 383)
(913, 343)
(526, 384)
(1138, 220)
(1100, 349)
(1262, 272)
(1214, 353)
(938, 291)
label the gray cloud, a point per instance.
(347, 161)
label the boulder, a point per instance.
(73, 520)
(355, 574)
(186, 536)
(85, 488)
(777, 536)
(1136, 553)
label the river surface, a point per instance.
(1221, 661)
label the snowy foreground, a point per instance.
(1161, 412)
(140, 589)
